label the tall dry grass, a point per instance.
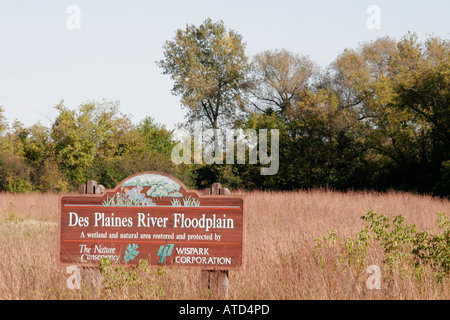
(281, 254)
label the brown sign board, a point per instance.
(153, 216)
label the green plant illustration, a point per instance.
(160, 187)
(163, 188)
(191, 202)
(124, 200)
(131, 252)
(187, 202)
(150, 180)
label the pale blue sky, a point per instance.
(113, 55)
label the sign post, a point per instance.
(153, 216)
(216, 281)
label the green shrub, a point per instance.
(434, 249)
(404, 248)
(395, 238)
(17, 185)
(134, 282)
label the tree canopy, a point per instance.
(209, 68)
(377, 117)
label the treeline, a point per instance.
(376, 118)
(95, 141)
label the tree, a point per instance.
(37, 145)
(399, 90)
(425, 93)
(15, 171)
(148, 148)
(74, 142)
(3, 122)
(279, 78)
(209, 68)
(94, 133)
(155, 136)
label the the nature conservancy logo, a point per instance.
(164, 251)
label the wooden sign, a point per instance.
(152, 216)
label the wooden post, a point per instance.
(216, 280)
(92, 274)
(91, 187)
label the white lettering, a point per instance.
(74, 220)
(180, 221)
(148, 221)
(202, 260)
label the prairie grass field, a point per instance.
(299, 245)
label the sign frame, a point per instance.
(155, 211)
